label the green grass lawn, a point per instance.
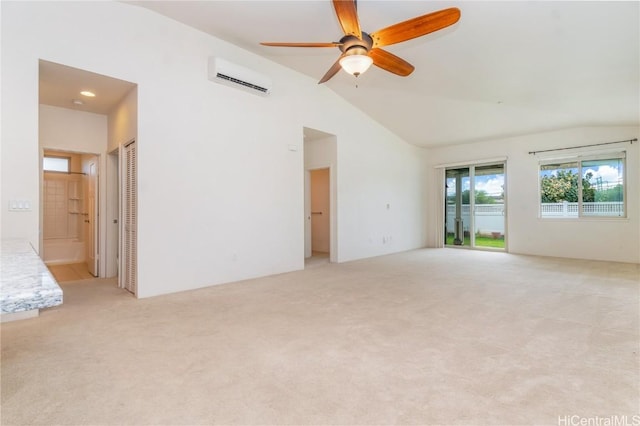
(480, 241)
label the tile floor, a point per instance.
(70, 272)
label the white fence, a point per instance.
(567, 209)
(489, 218)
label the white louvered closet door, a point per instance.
(130, 214)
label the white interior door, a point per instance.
(91, 220)
(129, 270)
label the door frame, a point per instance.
(320, 151)
(99, 224)
(112, 233)
(472, 214)
(308, 252)
(333, 252)
(95, 218)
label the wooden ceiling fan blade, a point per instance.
(332, 71)
(278, 44)
(347, 14)
(416, 27)
(390, 62)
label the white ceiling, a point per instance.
(60, 85)
(505, 69)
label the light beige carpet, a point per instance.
(425, 337)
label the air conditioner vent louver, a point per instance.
(224, 72)
(244, 83)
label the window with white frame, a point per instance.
(583, 186)
(55, 164)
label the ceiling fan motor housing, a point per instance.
(352, 45)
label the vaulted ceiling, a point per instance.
(505, 69)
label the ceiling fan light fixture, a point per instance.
(356, 64)
(360, 49)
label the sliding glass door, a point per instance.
(457, 207)
(488, 211)
(475, 218)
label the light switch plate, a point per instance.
(19, 206)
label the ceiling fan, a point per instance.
(360, 49)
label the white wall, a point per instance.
(77, 131)
(380, 196)
(210, 157)
(123, 121)
(597, 238)
(70, 130)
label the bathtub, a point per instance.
(60, 251)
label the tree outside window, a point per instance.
(589, 187)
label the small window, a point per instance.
(55, 164)
(587, 186)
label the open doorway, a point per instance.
(319, 215)
(91, 116)
(320, 198)
(70, 231)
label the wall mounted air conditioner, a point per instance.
(224, 72)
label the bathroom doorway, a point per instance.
(69, 210)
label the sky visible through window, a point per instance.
(492, 185)
(605, 173)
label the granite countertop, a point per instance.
(25, 282)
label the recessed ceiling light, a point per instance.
(77, 102)
(87, 93)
